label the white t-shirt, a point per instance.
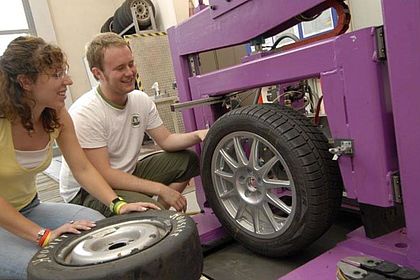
(101, 124)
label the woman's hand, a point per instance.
(72, 227)
(137, 207)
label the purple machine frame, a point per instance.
(371, 102)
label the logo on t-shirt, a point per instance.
(135, 120)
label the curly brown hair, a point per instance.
(29, 56)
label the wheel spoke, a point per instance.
(270, 216)
(279, 203)
(253, 155)
(228, 194)
(256, 219)
(275, 184)
(225, 175)
(240, 153)
(229, 160)
(263, 170)
(241, 210)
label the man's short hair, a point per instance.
(96, 48)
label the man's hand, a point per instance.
(173, 198)
(202, 134)
(137, 207)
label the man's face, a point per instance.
(119, 71)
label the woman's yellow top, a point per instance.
(17, 184)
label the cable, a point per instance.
(284, 36)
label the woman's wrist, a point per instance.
(116, 205)
(44, 236)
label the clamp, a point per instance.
(371, 268)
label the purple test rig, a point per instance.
(369, 89)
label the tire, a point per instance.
(142, 14)
(120, 23)
(108, 25)
(117, 27)
(146, 245)
(269, 178)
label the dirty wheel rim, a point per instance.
(114, 242)
(141, 10)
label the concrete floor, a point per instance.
(234, 262)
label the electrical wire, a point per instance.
(284, 36)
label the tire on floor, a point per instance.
(147, 245)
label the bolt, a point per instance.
(213, 7)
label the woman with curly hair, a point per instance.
(33, 84)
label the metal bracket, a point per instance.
(342, 147)
(380, 44)
(396, 186)
(194, 63)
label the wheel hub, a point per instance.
(141, 10)
(114, 242)
(249, 186)
(252, 184)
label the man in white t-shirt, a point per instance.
(110, 122)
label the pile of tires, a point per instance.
(146, 245)
(122, 17)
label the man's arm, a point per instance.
(171, 142)
(83, 170)
(123, 181)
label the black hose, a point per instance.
(285, 36)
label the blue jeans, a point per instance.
(16, 252)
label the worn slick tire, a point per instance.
(116, 25)
(108, 25)
(269, 179)
(176, 256)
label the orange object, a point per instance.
(343, 14)
(260, 99)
